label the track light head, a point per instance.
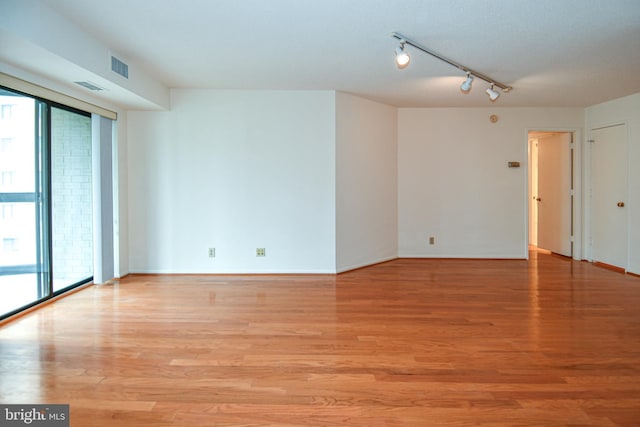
(465, 87)
(493, 95)
(402, 57)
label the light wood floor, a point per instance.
(548, 342)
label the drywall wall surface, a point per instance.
(454, 183)
(366, 182)
(234, 171)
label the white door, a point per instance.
(554, 193)
(609, 172)
(533, 192)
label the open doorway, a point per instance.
(551, 191)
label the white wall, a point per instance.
(624, 110)
(454, 183)
(234, 170)
(366, 182)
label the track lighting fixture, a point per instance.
(465, 87)
(402, 57)
(493, 95)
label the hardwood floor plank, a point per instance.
(410, 342)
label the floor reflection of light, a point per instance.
(21, 365)
(534, 299)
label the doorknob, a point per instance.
(621, 204)
(538, 199)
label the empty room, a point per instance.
(320, 213)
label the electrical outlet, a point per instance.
(212, 252)
(261, 252)
(432, 240)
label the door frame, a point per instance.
(578, 207)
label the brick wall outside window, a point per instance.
(71, 197)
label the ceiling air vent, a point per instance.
(90, 86)
(119, 67)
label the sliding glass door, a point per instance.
(20, 256)
(71, 199)
(45, 200)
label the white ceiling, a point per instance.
(555, 53)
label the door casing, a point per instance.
(577, 206)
